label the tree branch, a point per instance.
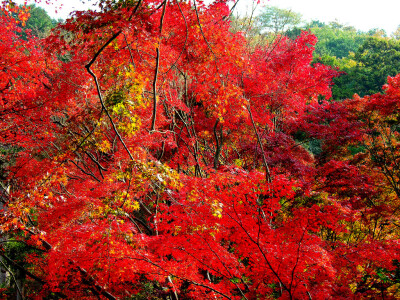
(153, 119)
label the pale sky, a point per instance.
(362, 14)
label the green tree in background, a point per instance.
(345, 86)
(367, 69)
(365, 59)
(377, 32)
(40, 23)
(336, 39)
(277, 20)
(377, 59)
(396, 33)
(267, 26)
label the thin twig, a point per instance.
(91, 62)
(130, 51)
(204, 37)
(106, 110)
(186, 39)
(153, 119)
(267, 171)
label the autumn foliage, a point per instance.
(153, 154)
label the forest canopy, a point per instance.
(154, 149)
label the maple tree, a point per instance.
(155, 155)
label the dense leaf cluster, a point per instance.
(156, 154)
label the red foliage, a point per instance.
(155, 154)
